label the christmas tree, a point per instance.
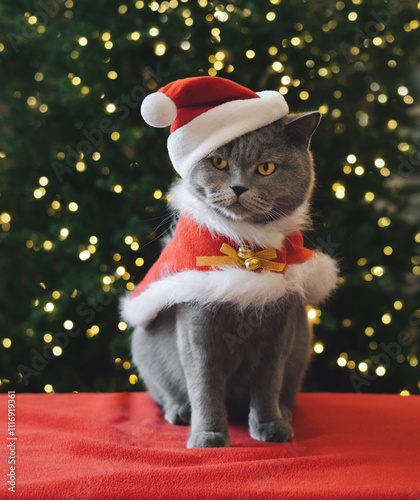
(84, 179)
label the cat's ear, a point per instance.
(302, 126)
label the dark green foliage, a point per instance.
(347, 67)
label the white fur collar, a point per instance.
(267, 235)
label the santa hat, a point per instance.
(207, 112)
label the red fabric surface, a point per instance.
(118, 446)
(192, 240)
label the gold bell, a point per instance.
(245, 252)
(252, 263)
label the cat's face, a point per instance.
(261, 176)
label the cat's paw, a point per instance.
(208, 440)
(178, 414)
(277, 431)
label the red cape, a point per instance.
(192, 240)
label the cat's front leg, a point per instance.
(209, 421)
(266, 421)
(206, 380)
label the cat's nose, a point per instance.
(238, 190)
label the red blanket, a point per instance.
(118, 446)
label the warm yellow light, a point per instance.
(68, 324)
(403, 90)
(312, 313)
(304, 95)
(377, 270)
(115, 136)
(388, 250)
(380, 371)
(5, 218)
(122, 326)
(369, 196)
(153, 32)
(112, 75)
(128, 240)
(47, 245)
(57, 351)
(341, 361)
(133, 379)
(386, 319)
(384, 222)
(126, 365)
(83, 41)
(6, 343)
(64, 232)
(363, 366)
(49, 307)
(404, 393)
(270, 16)
(413, 361)
(277, 66)
(318, 347)
(80, 166)
(110, 108)
(352, 16)
(392, 124)
(286, 80)
(157, 194)
(48, 388)
(134, 246)
(108, 45)
(160, 49)
(139, 262)
(351, 159)
(118, 188)
(39, 193)
(84, 255)
(120, 270)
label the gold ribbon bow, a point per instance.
(245, 256)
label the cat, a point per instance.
(205, 358)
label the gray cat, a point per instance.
(205, 354)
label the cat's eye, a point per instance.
(266, 168)
(219, 163)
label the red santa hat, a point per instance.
(205, 113)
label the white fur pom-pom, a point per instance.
(158, 110)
